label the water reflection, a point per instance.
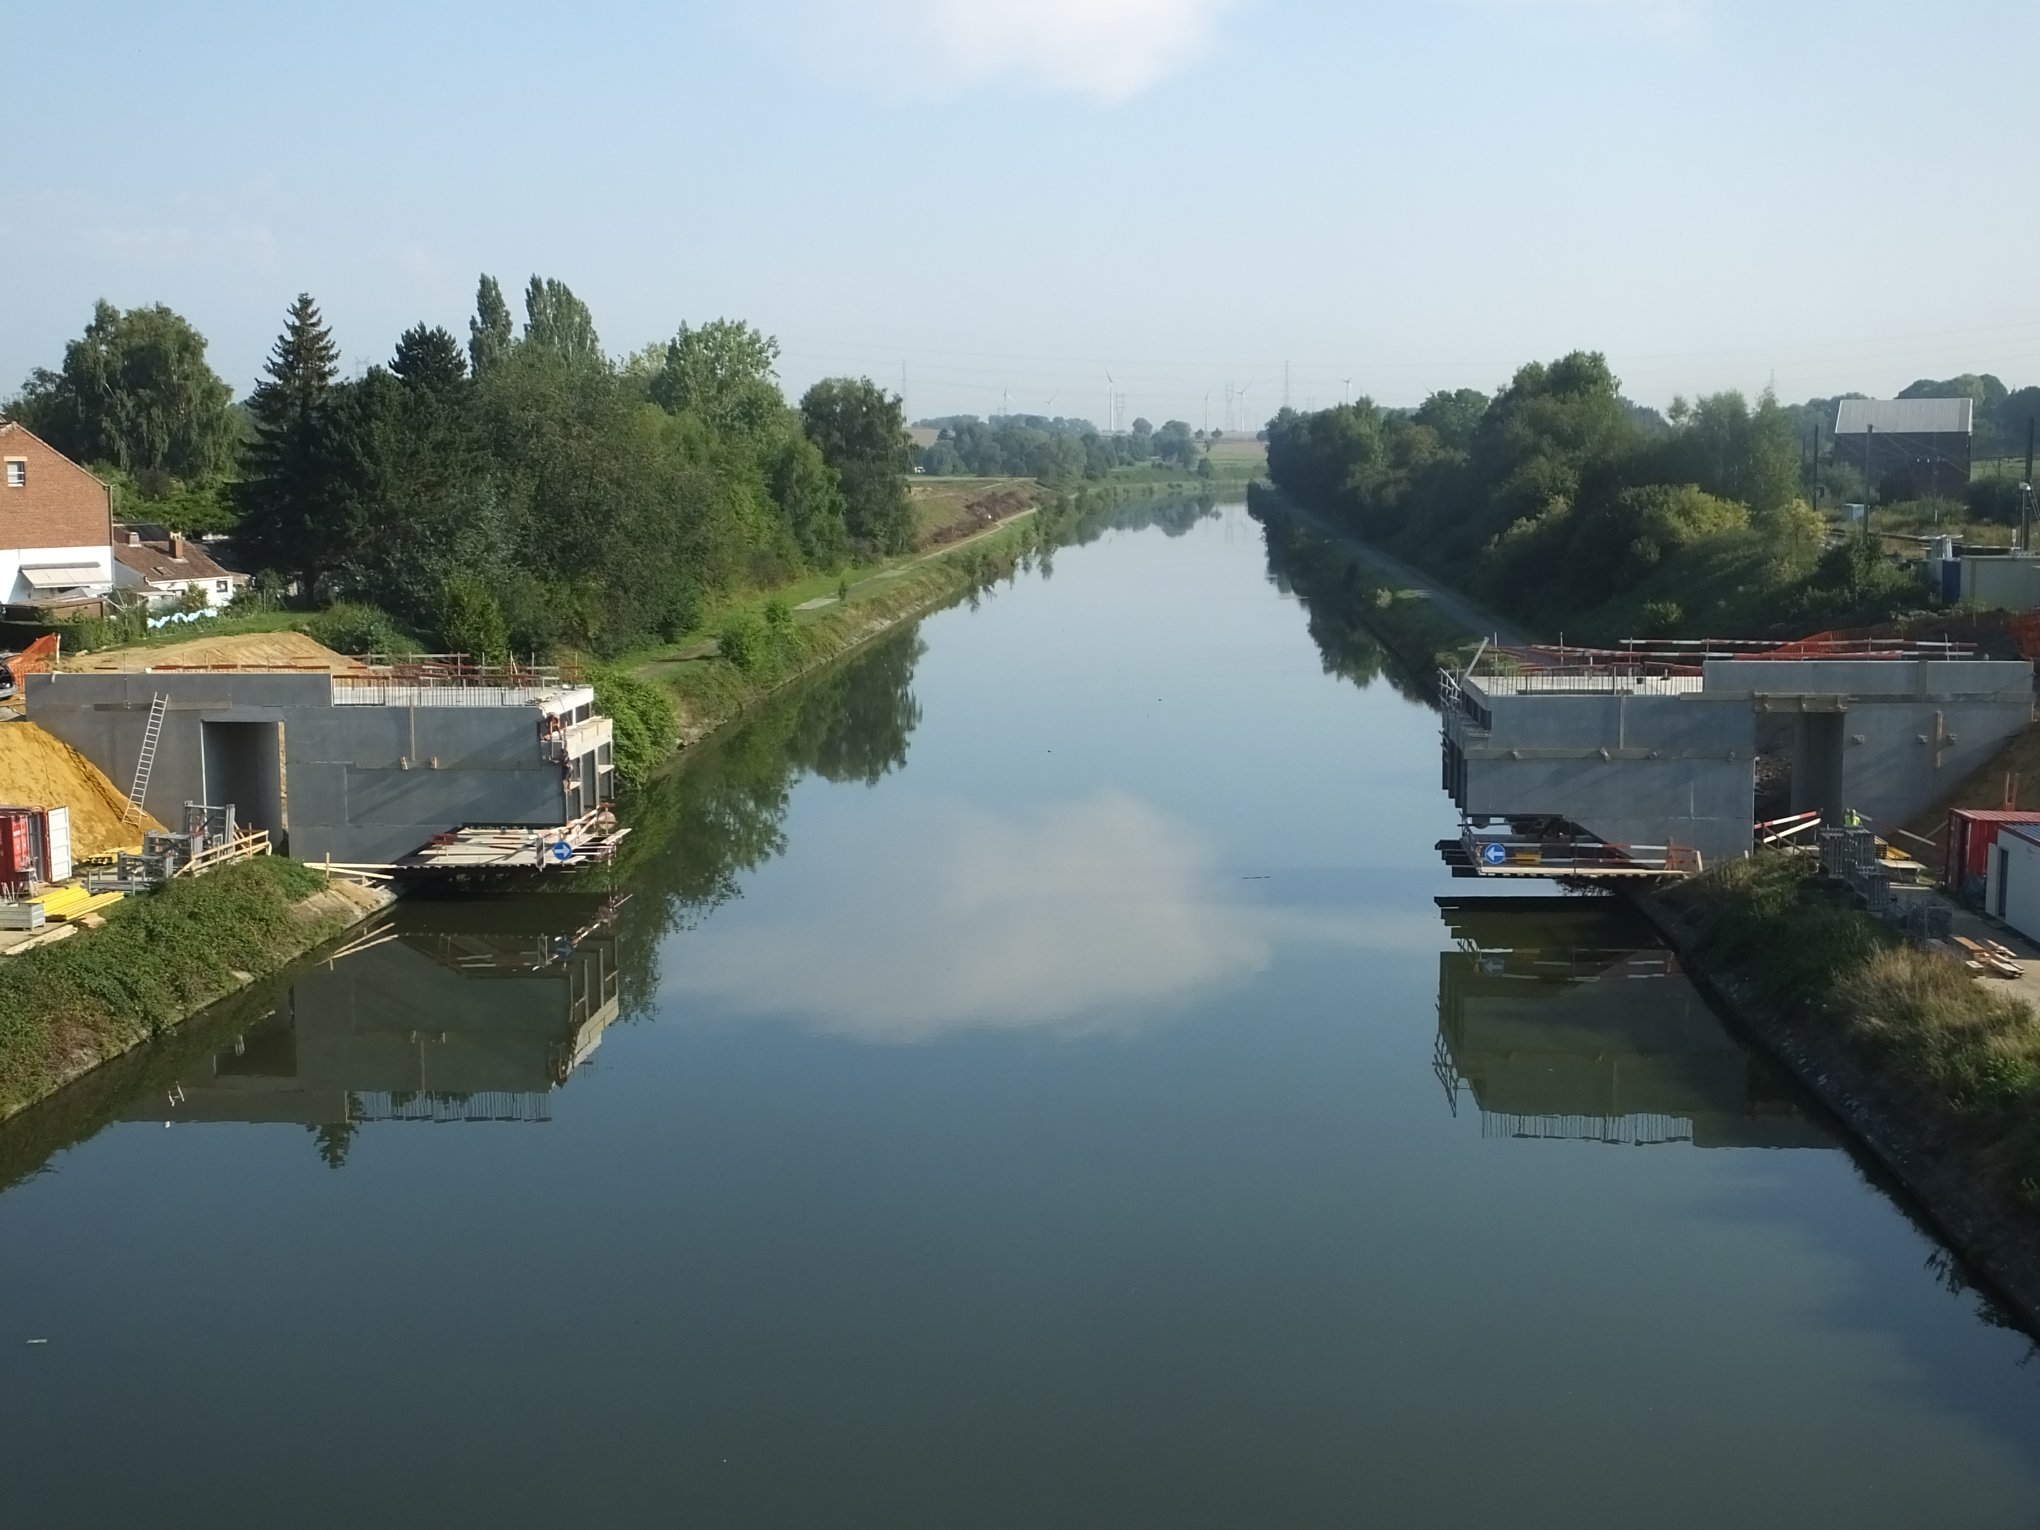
(945, 916)
(1337, 596)
(441, 1012)
(702, 828)
(1571, 1023)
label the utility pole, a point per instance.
(1869, 491)
(2026, 494)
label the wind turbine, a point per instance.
(1245, 418)
(1349, 390)
(1110, 385)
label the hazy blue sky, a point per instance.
(1023, 195)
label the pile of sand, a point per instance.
(251, 648)
(39, 770)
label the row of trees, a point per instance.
(1055, 450)
(520, 491)
(1562, 503)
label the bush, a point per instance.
(1993, 499)
(645, 727)
(470, 620)
(744, 641)
(350, 628)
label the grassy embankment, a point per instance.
(748, 646)
(160, 957)
(1959, 1064)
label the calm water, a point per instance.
(1029, 1083)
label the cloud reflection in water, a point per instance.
(1083, 917)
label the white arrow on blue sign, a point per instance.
(1495, 855)
(562, 851)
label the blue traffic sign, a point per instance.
(1495, 855)
(562, 851)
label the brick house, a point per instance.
(56, 527)
(162, 567)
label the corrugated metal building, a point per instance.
(1908, 447)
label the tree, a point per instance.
(861, 431)
(810, 499)
(429, 360)
(1454, 416)
(1175, 445)
(291, 517)
(135, 392)
(557, 321)
(489, 331)
(722, 372)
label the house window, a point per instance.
(220, 586)
(17, 472)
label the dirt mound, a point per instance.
(250, 648)
(39, 770)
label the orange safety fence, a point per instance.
(37, 658)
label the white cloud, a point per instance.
(1079, 918)
(1107, 50)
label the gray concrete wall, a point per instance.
(362, 783)
(1630, 769)
(1681, 769)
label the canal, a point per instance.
(1024, 1078)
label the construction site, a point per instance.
(124, 769)
(1648, 763)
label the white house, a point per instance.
(55, 522)
(161, 566)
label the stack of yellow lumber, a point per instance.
(74, 902)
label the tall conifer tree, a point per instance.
(289, 522)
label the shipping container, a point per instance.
(1971, 834)
(17, 845)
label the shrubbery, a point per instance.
(643, 720)
(160, 955)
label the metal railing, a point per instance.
(243, 846)
(1493, 855)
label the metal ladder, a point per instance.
(146, 761)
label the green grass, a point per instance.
(707, 687)
(1967, 1055)
(160, 956)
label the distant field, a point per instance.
(1240, 448)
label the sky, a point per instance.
(998, 204)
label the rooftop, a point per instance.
(1905, 416)
(161, 560)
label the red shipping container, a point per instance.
(1971, 833)
(17, 845)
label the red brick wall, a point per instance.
(62, 505)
